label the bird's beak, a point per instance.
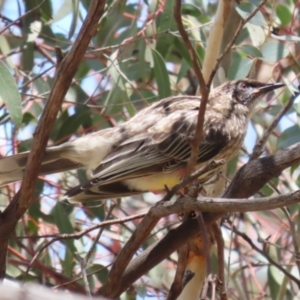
(268, 88)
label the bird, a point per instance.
(150, 151)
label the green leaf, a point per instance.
(5, 49)
(272, 282)
(63, 11)
(10, 95)
(165, 23)
(28, 57)
(13, 271)
(71, 124)
(42, 86)
(251, 51)
(284, 14)
(100, 271)
(161, 75)
(274, 51)
(182, 49)
(240, 68)
(68, 262)
(255, 2)
(46, 10)
(183, 70)
(27, 118)
(149, 57)
(191, 9)
(63, 223)
(113, 69)
(245, 9)
(75, 6)
(289, 137)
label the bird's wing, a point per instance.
(139, 158)
(161, 147)
(165, 147)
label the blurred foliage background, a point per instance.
(136, 58)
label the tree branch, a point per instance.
(65, 72)
(249, 179)
(204, 89)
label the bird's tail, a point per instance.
(12, 167)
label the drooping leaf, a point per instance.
(161, 75)
(5, 49)
(9, 94)
(273, 51)
(165, 23)
(63, 223)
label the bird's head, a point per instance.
(242, 95)
(248, 92)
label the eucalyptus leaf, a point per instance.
(244, 9)
(251, 50)
(289, 137)
(240, 68)
(65, 9)
(9, 94)
(284, 14)
(162, 75)
(274, 51)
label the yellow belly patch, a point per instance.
(155, 182)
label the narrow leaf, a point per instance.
(10, 95)
(240, 68)
(161, 75)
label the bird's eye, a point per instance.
(242, 86)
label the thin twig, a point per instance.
(220, 250)
(204, 89)
(22, 16)
(230, 44)
(248, 180)
(271, 261)
(294, 238)
(74, 236)
(258, 149)
(66, 71)
(85, 260)
(141, 233)
(81, 233)
(82, 264)
(97, 238)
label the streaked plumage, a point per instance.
(151, 150)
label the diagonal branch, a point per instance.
(65, 72)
